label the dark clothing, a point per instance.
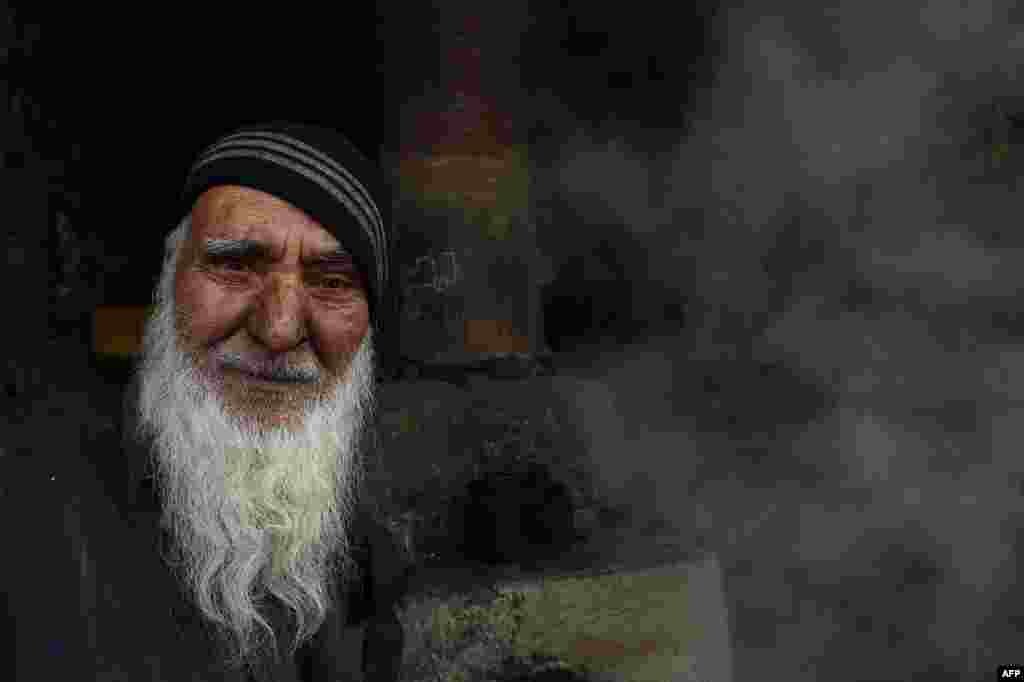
(90, 598)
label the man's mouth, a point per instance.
(291, 379)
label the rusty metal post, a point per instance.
(468, 270)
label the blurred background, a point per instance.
(755, 265)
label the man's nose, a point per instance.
(279, 318)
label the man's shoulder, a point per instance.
(54, 455)
(48, 493)
(37, 477)
(43, 511)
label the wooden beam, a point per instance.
(117, 330)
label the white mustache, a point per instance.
(271, 371)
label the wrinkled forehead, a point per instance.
(235, 212)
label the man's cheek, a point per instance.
(345, 347)
(207, 315)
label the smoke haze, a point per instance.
(840, 411)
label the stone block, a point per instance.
(662, 621)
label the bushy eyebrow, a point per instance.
(339, 256)
(246, 249)
(235, 248)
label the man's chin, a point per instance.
(266, 420)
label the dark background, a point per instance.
(142, 91)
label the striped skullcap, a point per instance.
(318, 171)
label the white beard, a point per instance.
(250, 511)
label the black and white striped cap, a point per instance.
(318, 171)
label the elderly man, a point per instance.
(251, 555)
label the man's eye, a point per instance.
(334, 282)
(232, 265)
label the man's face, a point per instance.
(256, 384)
(270, 307)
